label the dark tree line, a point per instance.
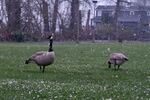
(34, 19)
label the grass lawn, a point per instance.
(80, 72)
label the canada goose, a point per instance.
(43, 58)
(116, 59)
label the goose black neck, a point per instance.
(50, 45)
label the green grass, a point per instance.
(80, 72)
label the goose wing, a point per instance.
(37, 54)
(117, 56)
(45, 59)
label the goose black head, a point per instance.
(50, 37)
(126, 59)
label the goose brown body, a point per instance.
(117, 59)
(43, 58)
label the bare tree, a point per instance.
(13, 8)
(27, 17)
(117, 11)
(116, 15)
(2, 10)
(45, 16)
(87, 21)
(64, 19)
(74, 21)
(30, 17)
(54, 18)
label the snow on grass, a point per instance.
(73, 90)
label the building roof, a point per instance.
(134, 8)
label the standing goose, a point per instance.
(116, 59)
(43, 58)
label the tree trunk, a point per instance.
(54, 19)
(87, 21)
(28, 17)
(117, 12)
(3, 14)
(45, 16)
(74, 22)
(78, 26)
(13, 8)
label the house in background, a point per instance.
(133, 17)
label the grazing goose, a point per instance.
(43, 58)
(116, 59)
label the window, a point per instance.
(99, 13)
(148, 13)
(131, 12)
(113, 12)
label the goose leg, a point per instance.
(109, 65)
(118, 66)
(115, 64)
(43, 69)
(40, 68)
